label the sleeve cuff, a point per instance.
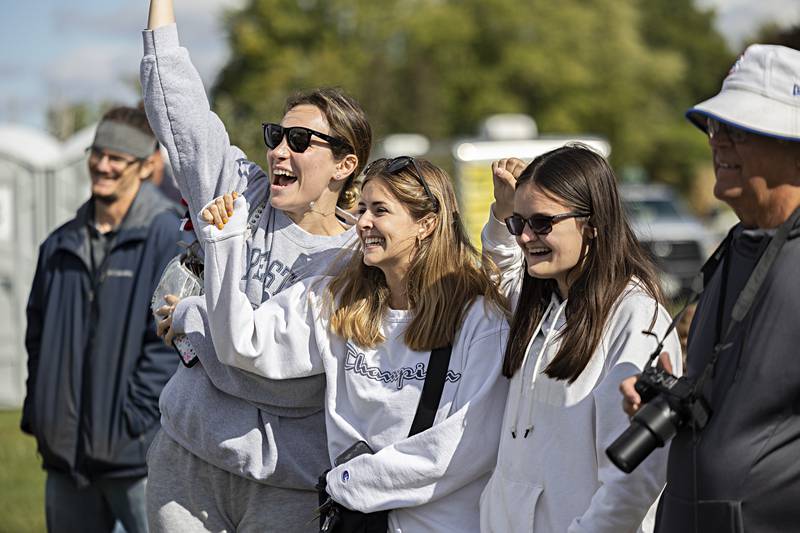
(495, 229)
(182, 310)
(338, 479)
(346, 484)
(237, 224)
(162, 38)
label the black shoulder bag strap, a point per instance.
(432, 389)
(335, 518)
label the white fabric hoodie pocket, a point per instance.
(503, 499)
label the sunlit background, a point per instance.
(460, 82)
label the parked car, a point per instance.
(677, 240)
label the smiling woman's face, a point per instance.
(554, 255)
(299, 178)
(386, 228)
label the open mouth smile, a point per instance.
(538, 251)
(373, 242)
(282, 178)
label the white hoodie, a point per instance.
(552, 473)
(432, 480)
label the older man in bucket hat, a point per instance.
(741, 472)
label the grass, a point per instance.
(21, 479)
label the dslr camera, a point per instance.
(669, 403)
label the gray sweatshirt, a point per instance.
(265, 430)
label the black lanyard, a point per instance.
(747, 297)
(723, 293)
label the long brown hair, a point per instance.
(583, 180)
(347, 121)
(446, 273)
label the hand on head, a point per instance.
(504, 177)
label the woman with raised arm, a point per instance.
(586, 297)
(238, 452)
(381, 331)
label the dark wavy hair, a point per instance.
(578, 177)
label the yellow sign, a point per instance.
(475, 196)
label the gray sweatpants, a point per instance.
(188, 495)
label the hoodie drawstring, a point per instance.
(521, 392)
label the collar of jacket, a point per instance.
(134, 227)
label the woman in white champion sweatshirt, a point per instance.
(585, 293)
(417, 284)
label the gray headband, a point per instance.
(123, 138)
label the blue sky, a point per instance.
(61, 50)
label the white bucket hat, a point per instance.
(761, 94)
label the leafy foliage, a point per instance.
(625, 69)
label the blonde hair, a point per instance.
(446, 274)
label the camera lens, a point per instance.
(650, 428)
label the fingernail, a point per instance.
(230, 213)
(220, 226)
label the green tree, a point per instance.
(625, 69)
(680, 27)
(63, 120)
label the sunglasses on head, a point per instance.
(539, 224)
(398, 164)
(297, 137)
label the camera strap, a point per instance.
(432, 389)
(748, 295)
(698, 286)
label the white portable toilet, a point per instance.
(41, 185)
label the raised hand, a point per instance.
(504, 176)
(161, 14)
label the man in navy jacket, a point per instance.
(95, 365)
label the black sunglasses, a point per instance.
(539, 224)
(297, 137)
(398, 164)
